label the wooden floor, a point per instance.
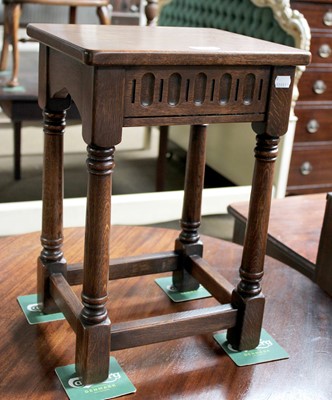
(298, 315)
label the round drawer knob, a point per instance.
(313, 126)
(327, 19)
(324, 51)
(306, 168)
(319, 87)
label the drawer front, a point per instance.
(316, 85)
(296, 190)
(319, 16)
(321, 49)
(314, 124)
(311, 166)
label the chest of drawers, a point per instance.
(311, 163)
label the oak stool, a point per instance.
(147, 76)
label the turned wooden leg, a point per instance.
(247, 297)
(189, 242)
(51, 259)
(151, 12)
(93, 331)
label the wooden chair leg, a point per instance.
(103, 14)
(323, 270)
(189, 242)
(151, 12)
(247, 296)
(72, 14)
(92, 362)
(12, 15)
(6, 39)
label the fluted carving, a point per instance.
(196, 90)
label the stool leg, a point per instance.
(93, 331)
(247, 297)
(51, 259)
(189, 242)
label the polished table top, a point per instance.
(113, 45)
(295, 223)
(298, 315)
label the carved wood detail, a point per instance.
(198, 90)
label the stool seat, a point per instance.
(143, 76)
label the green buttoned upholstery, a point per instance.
(238, 16)
(270, 20)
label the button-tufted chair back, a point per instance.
(238, 16)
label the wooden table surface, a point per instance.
(294, 226)
(298, 315)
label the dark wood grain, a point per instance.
(127, 267)
(188, 242)
(65, 299)
(51, 259)
(215, 283)
(92, 362)
(138, 72)
(190, 368)
(172, 326)
(100, 45)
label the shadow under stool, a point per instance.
(142, 76)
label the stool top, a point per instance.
(137, 45)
